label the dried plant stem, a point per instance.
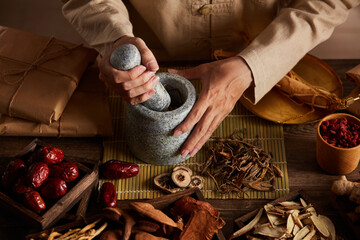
(236, 165)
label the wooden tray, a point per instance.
(163, 203)
(343, 205)
(87, 179)
(292, 196)
(277, 107)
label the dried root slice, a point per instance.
(320, 225)
(290, 224)
(311, 233)
(302, 233)
(303, 202)
(86, 233)
(274, 219)
(249, 226)
(289, 204)
(329, 225)
(295, 229)
(295, 216)
(267, 230)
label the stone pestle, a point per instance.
(126, 57)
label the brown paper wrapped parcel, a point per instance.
(38, 74)
(86, 115)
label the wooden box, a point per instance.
(81, 187)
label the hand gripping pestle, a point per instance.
(126, 57)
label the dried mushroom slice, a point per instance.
(183, 168)
(181, 178)
(197, 181)
(164, 182)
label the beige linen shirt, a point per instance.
(270, 35)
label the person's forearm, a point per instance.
(294, 32)
(99, 22)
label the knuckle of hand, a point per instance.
(133, 101)
(138, 40)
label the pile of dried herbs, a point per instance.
(236, 165)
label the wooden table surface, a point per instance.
(303, 171)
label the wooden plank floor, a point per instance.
(304, 172)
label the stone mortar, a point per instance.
(149, 134)
(126, 57)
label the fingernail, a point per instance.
(141, 69)
(184, 153)
(194, 151)
(155, 79)
(150, 74)
(177, 133)
(150, 93)
(170, 70)
(153, 66)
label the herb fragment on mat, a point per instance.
(236, 165)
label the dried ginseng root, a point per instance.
(236, 165)
(295, 87)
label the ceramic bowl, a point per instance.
(336, 160)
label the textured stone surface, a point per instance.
(126, 57)
(149, 134)
(160, 100)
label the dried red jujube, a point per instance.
(108, 196)
(21, 186)
(34, 201)
(37, 174)
(53, 188)
(66, 171)
(115, 169)
(48, 155)
(14, 169)
(340, 132)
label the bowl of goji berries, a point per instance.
(338, 143)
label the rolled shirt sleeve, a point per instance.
(99, 22)
(294, 32)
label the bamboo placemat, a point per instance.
(268, 134)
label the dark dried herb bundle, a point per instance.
(236, 165)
